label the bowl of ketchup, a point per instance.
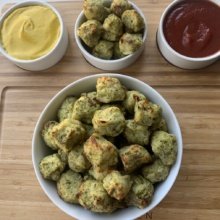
(189, 33)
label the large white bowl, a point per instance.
(49, 59)
(110, 65)
(40, 150)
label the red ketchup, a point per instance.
(192, 28)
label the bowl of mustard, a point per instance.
(33, 35)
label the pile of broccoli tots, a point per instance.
(113, 28)
(111, 146)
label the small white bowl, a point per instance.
(173, 56)
(110, 65)
(48, 59)
(40, 150)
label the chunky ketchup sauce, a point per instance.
(192, 28)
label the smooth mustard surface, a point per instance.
(30, 32)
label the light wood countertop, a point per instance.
(193, 95)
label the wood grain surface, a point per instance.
(193, 95)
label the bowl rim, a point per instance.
(119, 76)
(31, 3)
(78, 22)
(161, 22)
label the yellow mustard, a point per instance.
(30, 32)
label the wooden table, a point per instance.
(193, 95)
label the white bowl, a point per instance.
(173, 56)
(40, 150)
(48, 59)
(109, 65)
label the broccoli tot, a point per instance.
(129, 43)
(95, 9)
(113, 28)
(119, 6)
(117, 185)
(131, 98)
(93, 196)
(109, 90)
(68, 133)
(100, 152)
(113, 24)
(90, 32)
(132, 21)
(48, 136)
(66, 109)
(103, 50)
(68, 186)
(77, 161)
(85, 108)
(164, 146)
(136, 133)
(147, 113)
(134, 156)
(51, 167)
(141, 192)
(109, 122)
(155, 172)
